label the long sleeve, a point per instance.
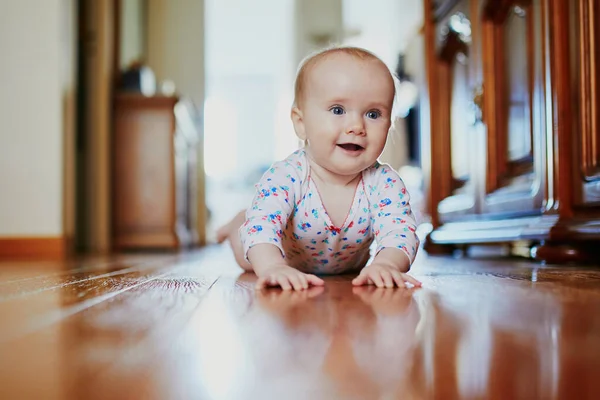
(393, 222)
(272, 206)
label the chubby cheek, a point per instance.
(323, 132)
(378, 136)
(375, 149)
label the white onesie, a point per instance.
(287, 212)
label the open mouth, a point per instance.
(351, 147)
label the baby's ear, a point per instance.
(298, 123)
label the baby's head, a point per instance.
(343, 107)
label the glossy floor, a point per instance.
(191, 326)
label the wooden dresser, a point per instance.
(154, 201)
(512, 143)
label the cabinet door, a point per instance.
(513, 106)
(585, 79)
(454, 126)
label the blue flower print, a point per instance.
(385, 202)
(304, 226)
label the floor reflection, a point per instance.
(333, 342)
(197, 329)
(467, 338)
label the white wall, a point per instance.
(250, 64)
(132, 26)
(175, 52)
(176, 45)
(319, 23)
(248, 37)
(250, 67)
(68, 68)
(385, 26)
(31, 113)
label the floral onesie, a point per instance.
(287, 212)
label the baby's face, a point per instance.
(345, 113)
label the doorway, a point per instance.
(249, 92)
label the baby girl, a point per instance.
(319, 210)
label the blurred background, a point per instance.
(251, 56)
(126, 118)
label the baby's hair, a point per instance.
(311, 60)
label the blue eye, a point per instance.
(337, 110)
(373, 114)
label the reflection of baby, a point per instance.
(386, 353)
(286, 348)
(361, 346)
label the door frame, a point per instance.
(87, 158)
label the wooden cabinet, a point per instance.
(154, 173)
(512, 43)
(454, 69)
(513, 136)
(585, 79)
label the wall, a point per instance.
(385, 32)
(319, 23)
(249, 83)
(133, 15)
(175, 52)
(31, 115)
(249, 75)
(68, 58)
(176, 45)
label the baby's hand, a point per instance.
(287, 277)
(383, 275)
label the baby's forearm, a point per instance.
(394, 258)
(264, 256)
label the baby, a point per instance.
(319, 210)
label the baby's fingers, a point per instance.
(298, 282)
(376, 278)
(360, 280)
(368, 277)
(399, 279)
(314, 280)
(262, 283)
(412, 280)
(273, 280)
(387, 279)
(284, 281)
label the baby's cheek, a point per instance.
(382, 135)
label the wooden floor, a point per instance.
(191, 326)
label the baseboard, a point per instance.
(52, 248)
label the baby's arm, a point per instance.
(262, 233)
(394, 227)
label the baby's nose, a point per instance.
(356, 126)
